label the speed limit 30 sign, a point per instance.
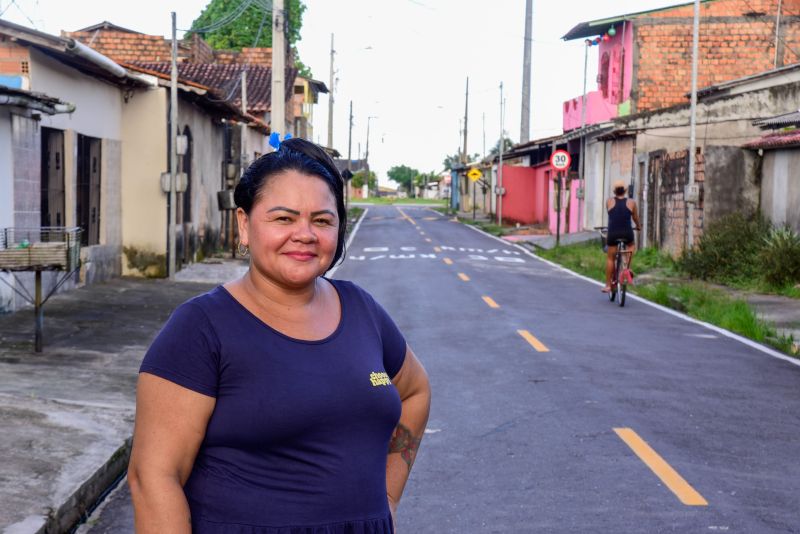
(560, 160)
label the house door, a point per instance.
(52, 178)
(88, 194)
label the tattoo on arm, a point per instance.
(404, 443)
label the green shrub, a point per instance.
(780, 257)
(729, 250)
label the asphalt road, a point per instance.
(556, 411)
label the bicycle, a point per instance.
(621, 275)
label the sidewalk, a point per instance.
(66, 414)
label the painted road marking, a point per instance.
(406, 217)
(490, 302)
(535, 343)
(421, 232)
(685, 493)
(429, 218)
(464, 277)
(437, 249)
(448, 261)
(428, 239)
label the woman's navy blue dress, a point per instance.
(298, 439)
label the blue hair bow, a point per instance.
(275, 139)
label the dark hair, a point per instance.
(619, 190)
(301, 156)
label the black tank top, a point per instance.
(619, 220)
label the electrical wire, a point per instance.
(224, 21)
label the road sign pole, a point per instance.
(474, 188)
(558, 209)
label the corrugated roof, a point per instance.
(776, 140)
(779, 121)
(593, 28)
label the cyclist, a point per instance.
(621, 210)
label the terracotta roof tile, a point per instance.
(776, 140)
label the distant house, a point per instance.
(644, 72)
(780, 158)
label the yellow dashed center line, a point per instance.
(490, 302)
(535, 343)
(448, 261)
(685, 493)
(428, 239)
(406, 217)
(429, 218)
(437, 249)
(464, 277)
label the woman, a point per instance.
(282, 402)
(621, 210)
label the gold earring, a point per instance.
(243, 250)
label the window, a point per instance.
(88, 194)
(52, 178)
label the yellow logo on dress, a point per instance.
(379, 379)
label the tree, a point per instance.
(241, 32)
(508, 144)
(403, 175)
(455, 160)
(358, 180)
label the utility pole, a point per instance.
(689, 194)
(483, 120)
(500, 163)
(243, 147)
(465, 157)
(777, 36)
(366, 155)
(349, 154)
(330, 100)
(173, 150)
(278, 100)
(525, 123)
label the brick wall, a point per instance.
(737, 38)
(14, 59)
(126, 47)
(673, 211)
(255, 56)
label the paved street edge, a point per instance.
(77, 505)
(726, 333)
(349, 241)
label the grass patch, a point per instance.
(353, 215)
(488, 227)
(718, 308)
(588, 259)
(389, 201)
(696, 299)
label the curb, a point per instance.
(727, 333)
(78, 505)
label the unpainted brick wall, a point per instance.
(737, 38)
(125, 47)
(674, 210)
(13, 58)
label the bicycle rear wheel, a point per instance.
(623, 289)
(615, 279)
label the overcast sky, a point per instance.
(404, 62)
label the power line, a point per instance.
(225, 20)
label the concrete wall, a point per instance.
(144, 158)
(780, 188)
(6, 198)
(208, 152)
(731, 181)
(98, 104)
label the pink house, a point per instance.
(614, 77)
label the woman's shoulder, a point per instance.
(205, 305)
(351, 291)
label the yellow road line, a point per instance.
(448, 261)
(406, 217)
(429, 218)
(437, 249)
(535, 343)
(490, 302)
(685, 493)
(464, 277)
(428, 239)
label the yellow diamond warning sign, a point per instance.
(474, 174)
